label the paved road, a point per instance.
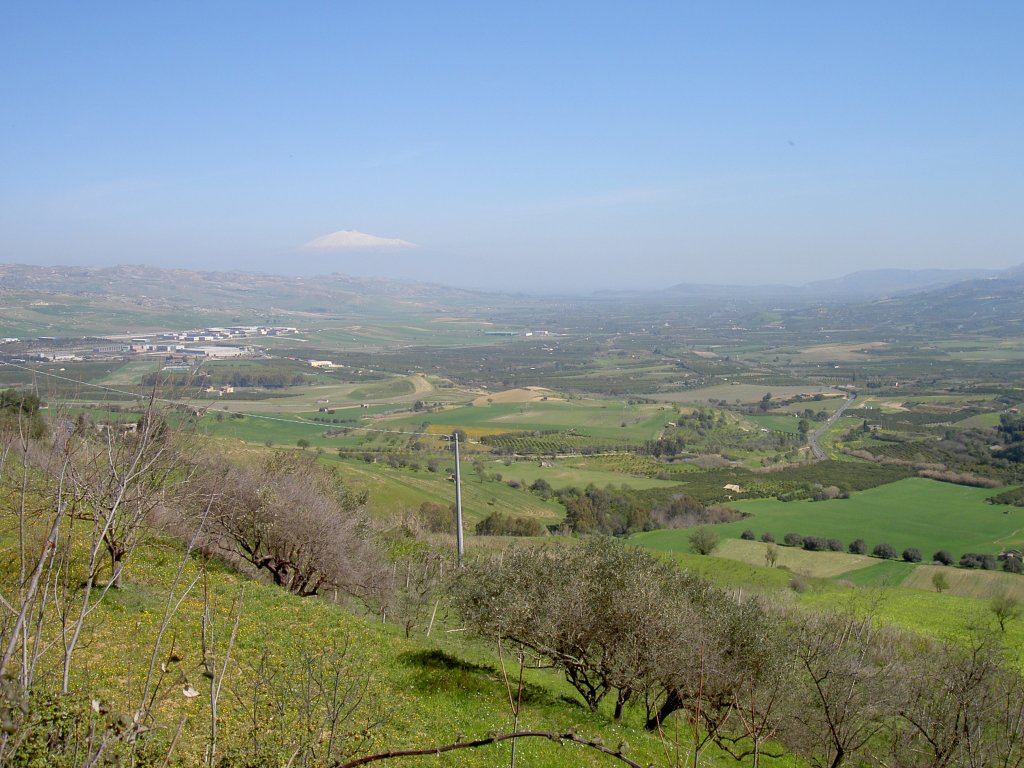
(812, 437)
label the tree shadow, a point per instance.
(437, 671)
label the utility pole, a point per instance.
(458, 499)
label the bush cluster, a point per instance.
(499, 524)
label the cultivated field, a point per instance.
(920, 513)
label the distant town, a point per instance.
(186, 344)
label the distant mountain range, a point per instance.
(156, 281)
(863, 285)
(231, 290)
(899, 297)
(993, 305)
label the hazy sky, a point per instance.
(546, 145)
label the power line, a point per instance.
(191, 403)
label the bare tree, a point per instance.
(846, 689)
(117, 479)
(415, 579)
(536, 598)
(119, 476)
(963, 707)
(53, 601)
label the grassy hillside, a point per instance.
(286, 656)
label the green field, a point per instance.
(384, 390)
(282, 429)
(777, 423)
(817, 564)
(609, 419)
(914, 512)
(982, 420)
(967, 583)
(884, 573)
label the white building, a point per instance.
(213, 352)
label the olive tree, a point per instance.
(600, 612)
(290, 517)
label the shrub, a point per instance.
(793, 540)
(768, 537)
(497, 524)
(975, 560)
(1013, 565)
(826, 494)
(747, 535)
(815, 544)
(858, 547)
(885, 551)
(942, 557)
(835, 545)
(798, 584)
(703, 541)
(437, 518)
(542, 487)
(912, 555)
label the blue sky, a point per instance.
(554, 146)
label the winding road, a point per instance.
(812, 437)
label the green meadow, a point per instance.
(280, 429)
(611, 419)
(915, 512)
(777, 423)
